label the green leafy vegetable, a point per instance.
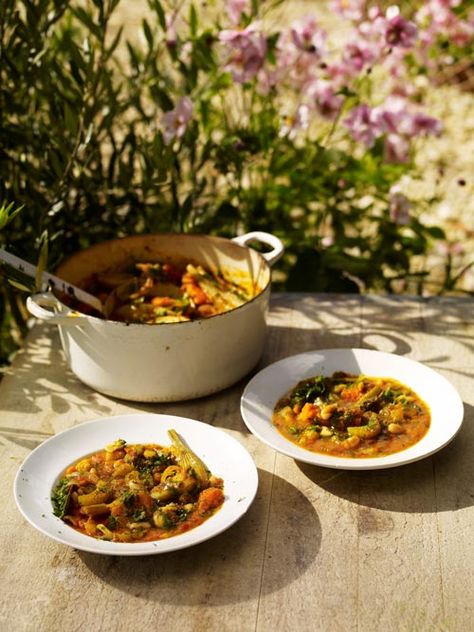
(61, 496)
(310, 390)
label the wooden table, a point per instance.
(319, 549)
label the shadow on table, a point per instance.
(324, 321)
(331, 320)
(439, 483)
(40, 371)
(235, 566)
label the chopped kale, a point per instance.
(182, 514)
(139, 515)
(309, 390)
(111, 523)
(146, 465)
(61, 496)
(128, 499)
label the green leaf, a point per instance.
(70, 118)
(148, 34)
(161, 97)
(42, 264)
(19, 286)
(156, 6)
(7, 214)
(113, 45)
(86, 19)
(193, 20)
(436, 232)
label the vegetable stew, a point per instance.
(137, 493)
(352, 415)
(161, 292)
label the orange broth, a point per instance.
(352, 415)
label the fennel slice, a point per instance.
(188, 460)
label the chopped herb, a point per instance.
(61, 496)
(182, 514)
(111, 523)
(146, 465)
(128, 499)
(309, 390)
(139, 515)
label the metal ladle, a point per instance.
(53, 282)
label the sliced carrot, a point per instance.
(309, 411)
(209, 499)
(163, 301)
(196, 294)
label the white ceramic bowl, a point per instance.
(269, 385)
(223, 455)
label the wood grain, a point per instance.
(319, 550)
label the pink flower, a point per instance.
(396, 149)
(399, 207)
(389, 29)
(175, 121)
(247, 49)
(395, 117)
(392, 115)
(307, 36)
(395, 121)
(298, 51)
(363, 125)
(293, 66)
(327, 241)
(358, 54)
(400, 32)
(326, 101)
(423, 124)
(235, 8)
(171, 35)
(450, 249)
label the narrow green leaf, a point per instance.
(70, 119)
(147, 32)
(157, 7)
(42, 264)
(19, 286)
(84, 17)
(115, 42)
(193, 20)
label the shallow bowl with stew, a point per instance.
(223, 455)
(268, 386)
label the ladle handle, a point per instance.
(53, 281)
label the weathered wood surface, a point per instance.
(319, 550)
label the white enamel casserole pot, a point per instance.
(169, 361)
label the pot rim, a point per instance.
(186, 236)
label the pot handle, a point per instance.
(266, 238)
(42, 306)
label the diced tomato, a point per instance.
(146, 501)
(117, 509)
